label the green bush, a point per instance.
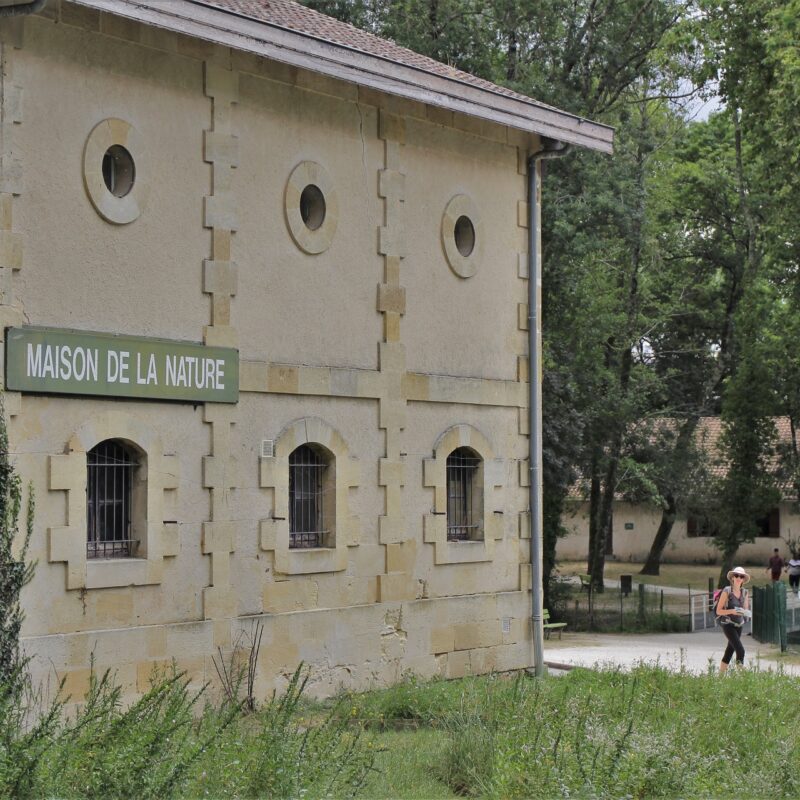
(142, 751)
(164, 745)
(289, 760)
(608, 733)
(468, 758)
(648, 733)
(408, 703)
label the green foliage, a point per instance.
(25, 736)
(607, 733)
(405, 704)
(322, 760)
(468, 759)
(142, 751)
(15, 571)
(165, 745)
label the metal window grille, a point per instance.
(306, 497)
(110, 467)
(462, 470)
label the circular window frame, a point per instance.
(462, 206)
(311, 240)
(105, 135)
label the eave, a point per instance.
(300, 49)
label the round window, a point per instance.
(464, 235)
(119, 171)
(462, 239)
(312, 207)
(312, 210)
(114, 171)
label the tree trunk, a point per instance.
(652, 565)
(605, 517)
(597, 543)
(553, 508)
(727, 566)
(512, 56)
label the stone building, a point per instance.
(264, 286)
(634, 524)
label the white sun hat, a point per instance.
(739, 571)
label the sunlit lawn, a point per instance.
(403, 765)
(677, 575)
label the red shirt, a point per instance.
(776, 565)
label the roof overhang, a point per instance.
(303, 50)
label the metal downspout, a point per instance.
(550, 150)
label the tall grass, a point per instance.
(589, 734)
(166, 745)
(606, 734)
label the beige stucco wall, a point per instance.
(634, 544)
(441, 305)
(311, 309)
(392, 358)
(80, 271)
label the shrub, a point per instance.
(609, 733)
(15, 571)
(142, 751)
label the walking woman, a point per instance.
(733, 607)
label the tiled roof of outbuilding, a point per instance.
(707, 436)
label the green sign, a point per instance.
(61, 361)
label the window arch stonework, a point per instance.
(274, 475)
(435, 477)
(158, 539)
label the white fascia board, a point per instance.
(337, 61)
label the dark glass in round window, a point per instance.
(119, 171)
(464, 235)
(312, 207)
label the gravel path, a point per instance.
(694, 652)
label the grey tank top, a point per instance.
(734, 602)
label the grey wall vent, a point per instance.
(267, 448)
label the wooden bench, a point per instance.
(551, 627)
(586, 581)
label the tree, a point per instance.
(748, 488)
(704, 250)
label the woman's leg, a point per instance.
(732, 633)
(728, 654)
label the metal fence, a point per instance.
(616, 609)
(702, 610)
(776, 614)
(703, 614)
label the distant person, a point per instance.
(793, 568)
(776, 565)
(733, 607)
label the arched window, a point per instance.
(464, 496)
(111, 502)
(311, 498)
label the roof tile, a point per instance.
(299, 18)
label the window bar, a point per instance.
(461, 469)
(115, 503)
(306, 501)
(109, 501)
(320, 504)
(103, 532)
(125, 495)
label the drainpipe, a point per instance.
(22, 8)
(550, 149)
